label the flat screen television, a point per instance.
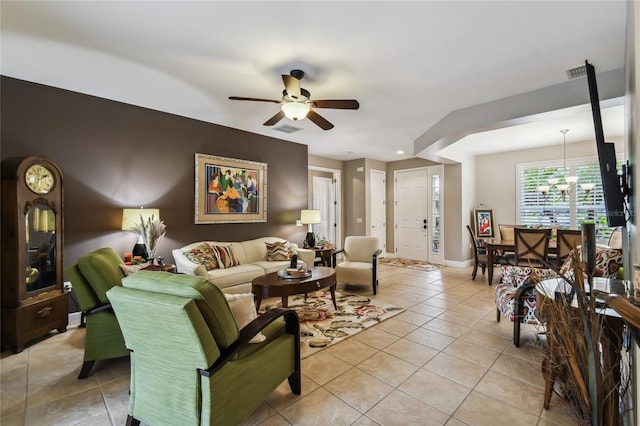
(611, 187)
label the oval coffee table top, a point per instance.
(272, 278)
(271, 285)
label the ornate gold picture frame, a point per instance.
(229, 190)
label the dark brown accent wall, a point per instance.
(114, 155)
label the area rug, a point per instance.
(409, 264)
(321, 325)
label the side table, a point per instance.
(325, 256)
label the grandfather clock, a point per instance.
(33, 298)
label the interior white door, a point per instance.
(377, 207)
(324, 199)
(411, 213)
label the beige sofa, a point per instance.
(252, 256)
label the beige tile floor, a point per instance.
(445, 360)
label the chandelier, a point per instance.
(570, 181)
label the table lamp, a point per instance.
(310, 217)
(130, 218)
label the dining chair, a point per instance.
(480, 257)
(567, 240)
(531, 246)
(507, 232)
(615, 239)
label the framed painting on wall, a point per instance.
(483, 223)
(229, 190)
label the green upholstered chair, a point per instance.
(190, 365)
(91, 277)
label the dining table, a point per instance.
(505, 246)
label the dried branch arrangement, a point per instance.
(151, 232)
(575, 333)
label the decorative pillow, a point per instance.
(130, 269)
(281, 250)
(226, 256)
(608, 261)
(244, 311)
(203, 255)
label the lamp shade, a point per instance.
(310, 217)
(571, 179)
(131, 217)
(295, 110)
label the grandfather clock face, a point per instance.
(39, 179)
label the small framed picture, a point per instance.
(483, 223)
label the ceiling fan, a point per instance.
(297, 103)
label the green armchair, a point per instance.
(91, 277)
(189, 362)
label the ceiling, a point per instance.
(409, 64)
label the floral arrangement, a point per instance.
(323, 242)
(151, 233)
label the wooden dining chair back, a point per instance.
(531, 246)
(567, 240)
(506, 232)
(479, 255)
(615, 240)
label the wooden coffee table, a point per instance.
(271, 285)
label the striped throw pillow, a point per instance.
(226, 256)
(278, 251)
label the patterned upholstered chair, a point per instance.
(190, 365)
(515, 296)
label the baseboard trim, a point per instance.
(74, 318)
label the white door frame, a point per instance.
(383, 237)
(337, 177)
(438, 169)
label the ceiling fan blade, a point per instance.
(273, 120)
(336, 103)
(292, 85)
(319, 120)
(239, 98)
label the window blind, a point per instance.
(554, 209)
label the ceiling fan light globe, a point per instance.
(295, 110)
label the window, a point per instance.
(554, 209)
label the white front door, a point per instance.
(324, 199)
(377, 207)
(411, 213)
